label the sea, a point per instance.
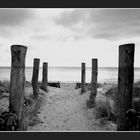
(71, 74)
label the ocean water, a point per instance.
(71, 74)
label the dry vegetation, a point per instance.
(4, 86)
(31, 109)
(107, 106)
(31, 105)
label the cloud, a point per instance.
(40, 37)
(14, 22)
(70, 18)
(14, 17)
(110, 24)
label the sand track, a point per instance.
(65, 109)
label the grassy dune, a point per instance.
(107, 106)
(31, 106)
(105, 110)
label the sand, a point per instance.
(65, 109)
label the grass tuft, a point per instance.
(5, 85)
(105, 109)
(31, 109)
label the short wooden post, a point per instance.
(45, 76)
(94, 75)
(17, 83)
(83, 77)
(125, 84)
(35, 77)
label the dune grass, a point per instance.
(31, 109)
(31, 105)
(104, 109)
(5, 85)
(107, 107)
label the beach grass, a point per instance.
(5, 85)
(107, 106)
(31, 110)
(31, 105)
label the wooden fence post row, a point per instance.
(45, 76)
(17, 83)
(83, 77)
(35, 77)
(125, 84)
(94, 75)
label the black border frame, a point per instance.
(70, 4)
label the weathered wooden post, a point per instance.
(35, 77)
(17, 83)
(125, 84)
(94, 75)
(45, 76)
(83, 77)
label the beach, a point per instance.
(64, 109)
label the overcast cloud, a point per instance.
(103, 23)
(14, 17)
(67, 37)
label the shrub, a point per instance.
(101, 109)
(31, 109)
(104, 109)
(6, 85)
(112, 99)
(88, 86)
(28, 100)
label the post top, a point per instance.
(95, 59)
(36, 59)
(45, 63)
(128, 44)
(19, 46)
(83, 64)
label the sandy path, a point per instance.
(65, 109)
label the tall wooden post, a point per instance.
(17, 83)
(35, 77)
(94, 75)
(45, 76)
(125, 84)
(83, 77)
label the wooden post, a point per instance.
(125, 84)
(17, 83)
(45, 76)
(94, 75)
(83, 77)
(35, 77)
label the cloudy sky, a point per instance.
(67, 37)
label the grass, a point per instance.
(107, 107)
(31, 105)
(104, 109)
(101, 109)
(5, 85)
(31, 109)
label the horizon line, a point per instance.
(69, 66)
